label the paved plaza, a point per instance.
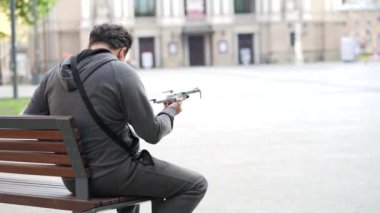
(272, 138)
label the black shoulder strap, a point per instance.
(92, 111)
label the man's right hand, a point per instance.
(175, 105)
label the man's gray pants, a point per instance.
(176, 189)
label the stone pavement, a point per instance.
(6, 91)
(270, 139)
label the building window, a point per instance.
(195, 8)
(145, 7)
(244, 6)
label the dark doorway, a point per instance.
(146, 52)
(245, 48)
(197, 50)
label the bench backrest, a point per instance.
(43, 145)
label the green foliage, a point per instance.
(9, 106)
(2, 35)
(24, 9)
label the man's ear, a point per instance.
(122, 53)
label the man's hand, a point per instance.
(175, 105)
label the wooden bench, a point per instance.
(47, 146)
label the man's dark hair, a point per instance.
(116, 36)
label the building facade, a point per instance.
(177, 33)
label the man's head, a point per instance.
(113, 37)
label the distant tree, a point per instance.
(24, 9)
(2, 35)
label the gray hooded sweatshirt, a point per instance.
(118, 96)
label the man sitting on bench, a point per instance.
(118, 99)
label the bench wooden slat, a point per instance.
(31, 134)
(44, 193)
(32, 169)
(34, 200)
(70, 203)
(51, 192)
(34, 157)
(38, 187)
(23, 145)
(35, 121)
